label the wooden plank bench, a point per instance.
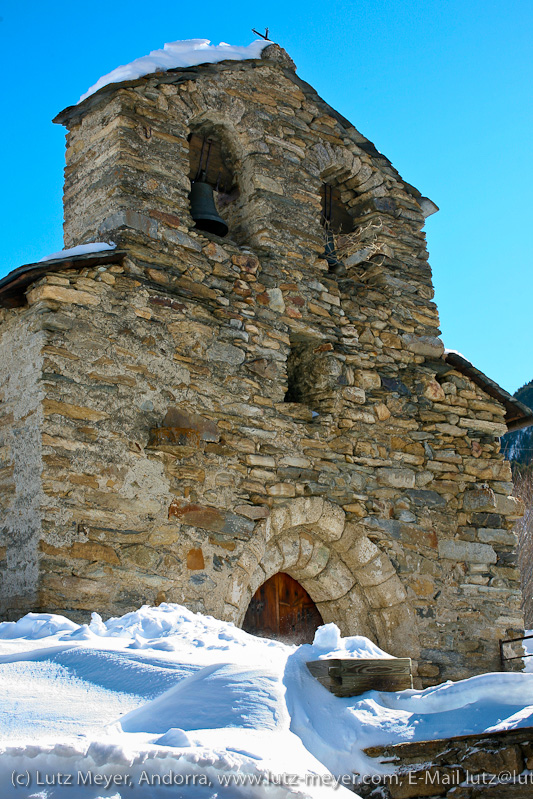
(354, 676)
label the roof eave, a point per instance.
(517, 415)
(13, 286)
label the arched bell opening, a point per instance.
(282, 609)
(215, 193)
(337, 224)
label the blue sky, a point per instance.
(442, 88)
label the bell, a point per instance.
(203, 209)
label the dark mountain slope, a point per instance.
(518, 446)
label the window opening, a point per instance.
(335, 220)
(203, 209)
(313, 375)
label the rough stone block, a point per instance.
(330, 525)
(210, 518)
(429, 346)
(317, 560)
(73, 411)
(185, 420)
(382, 412)
(376, 571)
(142, 556)
(261, 460)
(509, 506)
(387, 594)
(195, 559)
(396, 625)
(397, 478)
(499, 536)
(434, 782)
(495, 429)
(434, 391)
(61, 294)
(281, 490)
(467, 551)
(426, 499)
(333, 582)
(393, 385)
(354, 394)
(90, 550)
(177, 440)
(128, 218)
(289, 546)
(305, 511)
(226, 353)
(275, 300)
(367, 380)
(391, 340)
(500, 759)
(479, 499)
(264, 368)
(182, 240)
(253, 511)
(267, 184)
(356, 547)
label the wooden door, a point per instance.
(282, 609)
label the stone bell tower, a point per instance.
(258, 424)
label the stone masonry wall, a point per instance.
(494, 764)
(21, 419)
(173, 467)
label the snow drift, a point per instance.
(166, 694)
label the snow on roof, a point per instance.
(81, 249)
(454, 352)
(186, 53)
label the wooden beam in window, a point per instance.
(219, 175)
(334, 213)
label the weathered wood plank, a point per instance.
(351, 677)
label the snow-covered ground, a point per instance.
(163, 702)
(528, 650)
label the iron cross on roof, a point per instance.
(262, 35)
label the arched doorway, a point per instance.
(353, 582)
(282, 609)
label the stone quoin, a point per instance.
(185, 416)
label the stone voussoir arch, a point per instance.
(350, 169)
(351, 580)
(328, 161)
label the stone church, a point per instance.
(244, 406)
